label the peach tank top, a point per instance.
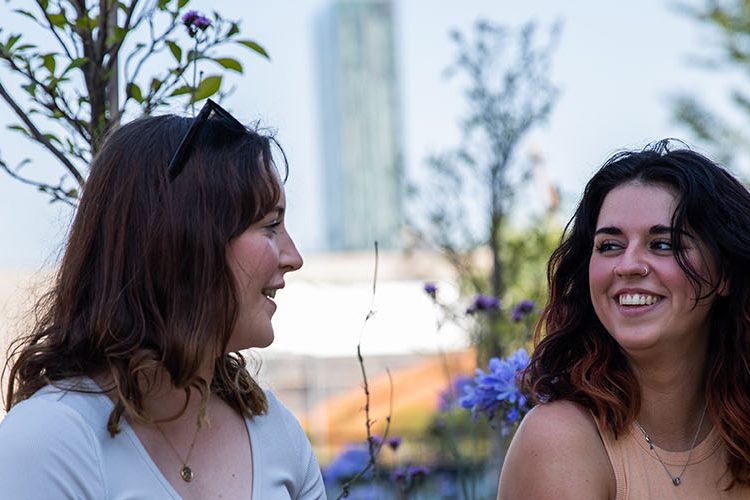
(640, 476)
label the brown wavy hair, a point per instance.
(576, 359)
(144, 281)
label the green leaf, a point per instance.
(26, 13)
(182, 3)
(254, 46)
(30, 88)
(208, 87)
(49, 62)
(117, 36)
(233, 30)
(57, 20)
(44, 4)
(175, 50)
(25, 46)
(19, 128)
(11, 42)
(86, 24)
(75, 63)
(229, 63)
(156, 84)
(185, 89)
(162, 5)
(134, 91)
(194, 55)
(53, 138)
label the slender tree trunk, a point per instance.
(113, 83)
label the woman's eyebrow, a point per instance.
(653, 230)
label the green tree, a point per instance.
(508, 93)
(93, 61)
(725, 136)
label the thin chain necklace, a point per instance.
(676, 480)
(186, 473)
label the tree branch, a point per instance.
(58, 192)
(53, 29)
(112, 50)
(65, 110)
(41, 138)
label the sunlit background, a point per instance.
(358, 138)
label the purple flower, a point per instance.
(195, 22)
(376, 440)
(484, 303)
(399, 474)
(448, 398)
(521, 310)
(497, 393)
(430, 289)
(418, 471)
(394, 442)
(347, 464)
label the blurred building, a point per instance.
(361, 125)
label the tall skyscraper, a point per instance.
(361, 133)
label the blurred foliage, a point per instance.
(508, 92)
(93, 61)
(730, 21)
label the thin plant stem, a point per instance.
(452, 445)
(373, 449)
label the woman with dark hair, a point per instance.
(642, 359)
(131, 384)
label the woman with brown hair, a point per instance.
(642, 363)
(131, 384)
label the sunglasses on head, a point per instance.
(180, 156)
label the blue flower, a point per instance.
(399, 474)
(376, 440)
(521, 310)
(347, 464)
(195, 22)
(418, 471)
(410, 476)
(484, 303)
(497, 393)
(394, 442)
(448, 398)
(430, 289)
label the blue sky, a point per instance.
(617, 64)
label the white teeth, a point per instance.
(637, 299)
(269, 293)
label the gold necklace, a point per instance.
(186, 473)
(676, 480)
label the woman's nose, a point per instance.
(631, 266)
(290, 260)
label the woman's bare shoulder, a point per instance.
(557, 453)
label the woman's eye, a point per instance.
(607, 246)
(665, 245)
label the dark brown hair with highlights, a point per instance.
(144, 280)
(576, 359)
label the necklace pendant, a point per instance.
(676, 481)
(187, 475)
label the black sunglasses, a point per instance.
(177, 163)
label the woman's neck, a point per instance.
(161, 400)
(673, 400)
